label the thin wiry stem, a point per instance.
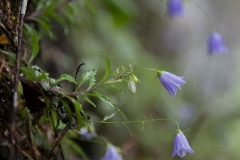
(16, 80)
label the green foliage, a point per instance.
(77, 148)
(30, 74)
(88, 75)
(11, 56)
(68, 110)
(34, 46)
(108, 117)
(109, 102)
(78, 111)
(89, 101)
(108, 70)
(66, 77)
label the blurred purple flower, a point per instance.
(175, 8)
(181, 146)
(112, 154)
(171, 82)
(84, 132)
(216, 44)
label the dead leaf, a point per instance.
(3, 39)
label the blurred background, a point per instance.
(141, 32)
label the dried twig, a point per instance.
(60, 137)
(24, 153)
(59, 148)
(16, 79)
(58, 140)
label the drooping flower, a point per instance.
(112, 154)
(171, 82)
(181, 146)
(216, 44)
(175, 8)
(84, 132)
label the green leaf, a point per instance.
(77, 148)
(61, 21)
(108, 117)
(29, 73)
(45, 25)
(52, 121)
(43, 76)
(66, 77)
(89, 101)
(78, 110)
(107, 71)
(47, 104)
(86, 76)
(90, 7)
(115, 87)
(68, 110)
(68, 12)
(91, 81)
(108, 101)
(34, 46)
(10, 56)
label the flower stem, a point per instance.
(205, 14)
(147, 69)
(138, 121)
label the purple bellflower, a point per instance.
(171, 82)
(181, 146)
(112, 154)
(216, 44)
(84, 132)
(175, 8)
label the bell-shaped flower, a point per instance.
(175, 8)
(84, 132)
(171, 82)
(181, 146)
(112, 154)
(216, 44)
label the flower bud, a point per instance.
(132, 86)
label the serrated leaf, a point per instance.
(91, 82)
(34, 46)
(86, 76)
(89, 101)
(66, 77)
(108, 101)
(10, 56)
(108, 70)
(108, 117)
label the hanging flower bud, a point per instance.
(132, 84)
(175, 8)
(216, 44)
